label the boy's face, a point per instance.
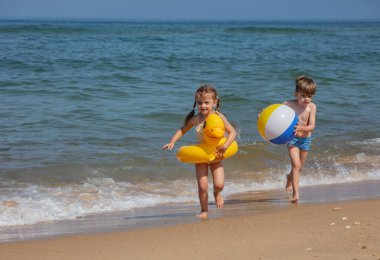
(205, 103)
(303, 99)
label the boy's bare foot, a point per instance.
(219, 201)
(288, 186)
(203, 215)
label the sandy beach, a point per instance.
(87, 105)
(341, 230)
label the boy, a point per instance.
(300, 145)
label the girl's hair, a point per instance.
(305, 85)
(202, 90)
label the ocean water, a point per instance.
(85, 107)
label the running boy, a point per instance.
(300, 145)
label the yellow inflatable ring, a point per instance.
(213, 133)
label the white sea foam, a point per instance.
(99, 195)
(373, 141)
(34, 203)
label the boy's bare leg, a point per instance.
(201, 170)
(295, 184)
(288, 186)
(296, 170)
(294, 154)
(218, 179)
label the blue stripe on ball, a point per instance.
(287, 135)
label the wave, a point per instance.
(41, 27)
(33, 203)
(274, 30)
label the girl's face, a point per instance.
(303, 99)
(205, 103)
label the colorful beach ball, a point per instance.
(276, 123)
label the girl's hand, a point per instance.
(168, 146)
(219, 152)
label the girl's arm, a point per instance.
(178, 134)
(231, 134)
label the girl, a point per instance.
(206, 100)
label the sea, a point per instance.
(86, 106)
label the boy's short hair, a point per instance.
(305, 85)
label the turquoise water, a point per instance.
(86, 107)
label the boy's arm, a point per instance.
(311, 123)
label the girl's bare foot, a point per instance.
(203, 215)
(288, 186)
(295, 199)
(219, 201)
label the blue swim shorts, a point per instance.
(303, 144)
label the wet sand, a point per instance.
(256, 225)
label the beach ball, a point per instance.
(276, 123)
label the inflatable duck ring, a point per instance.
(213, 136)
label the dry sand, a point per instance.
(344, 230)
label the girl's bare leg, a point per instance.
(218, 180)
(201, 170)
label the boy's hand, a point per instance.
(259, 114)
(298, 130)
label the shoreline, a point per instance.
(240, 204)
(340, 230)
